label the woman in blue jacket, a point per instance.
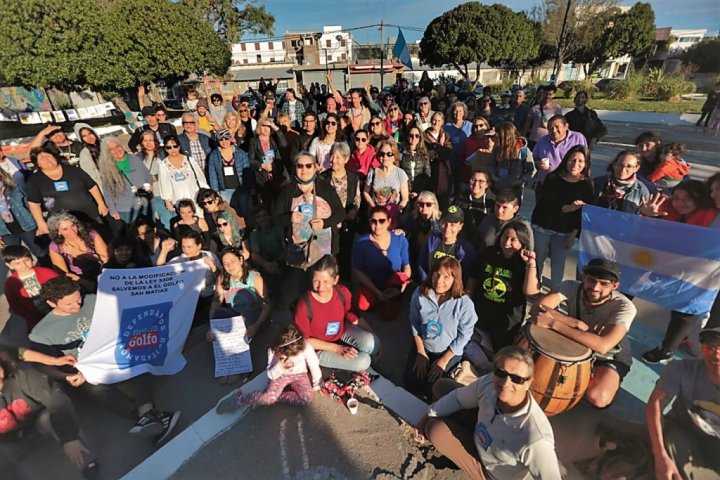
(16, 222)
(442, 318)
(229, 174)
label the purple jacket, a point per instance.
(546, 148)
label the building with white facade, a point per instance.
(256, 53)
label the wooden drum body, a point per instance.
(563, 369)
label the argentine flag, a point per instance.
(669, 263)
(400, 50)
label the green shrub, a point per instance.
(672, 87)
(570, 89)
(630, 88)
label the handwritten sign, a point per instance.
(231, 346)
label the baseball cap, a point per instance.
(453, 214)
(149, 110)
(708, 335)
(374, 90)
(269, 95)
(202, 103)
(601, 268)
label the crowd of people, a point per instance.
(360, 200)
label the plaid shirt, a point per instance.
(197, 153)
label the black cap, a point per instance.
(269, 95)
(601, 268)
(710, 335)
(374, 90)
(149, 110)
(453, 214)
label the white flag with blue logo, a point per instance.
(672, 264)
(141, 321)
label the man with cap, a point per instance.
(446, 243)
(53, 137)
(161, 130)
(269, 108)
(686, 441)
(504, 111)
(599, 317)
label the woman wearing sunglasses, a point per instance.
(228, 234)
(377, 131)
(442, 319)
(265, 159)
(387, 185)
(416, 162)
(497, 406)
(363, 157)
(381, 264)
(393, 122)
(179, 176)
(229, 173)
(320, 146)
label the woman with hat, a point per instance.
(447, 243)
(229, 173)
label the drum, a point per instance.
(562, 369)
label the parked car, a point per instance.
(604, 83)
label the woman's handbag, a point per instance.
(304, 255)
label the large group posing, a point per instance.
(360, 200)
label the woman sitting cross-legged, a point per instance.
(325, 318)
(442, 319)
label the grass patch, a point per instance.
(642, 105)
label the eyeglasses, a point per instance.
(171, 147)
(331, 123)
(300, 166)
(243, 110)
(209, 201)
(361, 139)
(425, 204)
(516, 379)
(223, 224)
(188, 123)
(477, 180)
(413, 135)
(712, 348)
(378, 221)
(385, 154)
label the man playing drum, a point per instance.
(599, 317)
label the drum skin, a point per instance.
(560, 380)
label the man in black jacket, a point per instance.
(161, 130)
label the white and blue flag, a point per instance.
(672, 264)
(400, 50)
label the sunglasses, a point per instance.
(516, 379)
(425, 204)
(378, 221)
(479, 126)
(221, 139)
(222, 224)
(208, 202)
(424, 103)
(301, 166)
(187, 123)
(361, 139)
(394, 109)
(413, 135)
(330, 123)
(171, 147)
(243, 111)
(374, 124)
(385, 154)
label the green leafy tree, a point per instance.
(473, 32)
(47, 43)
(232, 18)
(133, 51)
(705, 54)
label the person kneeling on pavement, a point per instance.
(64, 331)
(511, 437)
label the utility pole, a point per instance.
(382, 55)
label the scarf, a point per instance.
(617, 189)
(305, 182)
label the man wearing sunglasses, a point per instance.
(194, 143)
(161, 130)
(511, 435)
(599, 317)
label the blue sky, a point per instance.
(309, 15)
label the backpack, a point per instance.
(308, 304)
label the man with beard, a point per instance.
(599, 317)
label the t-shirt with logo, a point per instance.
(69, 193)
(64, 333)
(499, 298)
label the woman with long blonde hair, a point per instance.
(231, 122)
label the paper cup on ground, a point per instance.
(146, 187)
(352, 405)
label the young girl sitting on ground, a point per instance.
(289, 360)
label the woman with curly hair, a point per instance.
(75, 250)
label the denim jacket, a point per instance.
(18, 204)
(242, 169)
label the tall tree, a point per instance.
(232, 18)
(134, 51)
(477, 33)
(612, 33)
(551, 13)
(705, 54)
(47, 43)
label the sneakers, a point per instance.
(657, 355)
(154, 423)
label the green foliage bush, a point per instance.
(570, 89)
(630, 88)
(655, 85)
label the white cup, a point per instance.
(146, 187)
(545, 163)
(352, 405)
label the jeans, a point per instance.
(679, 327)
(366, 343)
(157, 204)
(422, 386)
(28, 238)
(553, 243)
